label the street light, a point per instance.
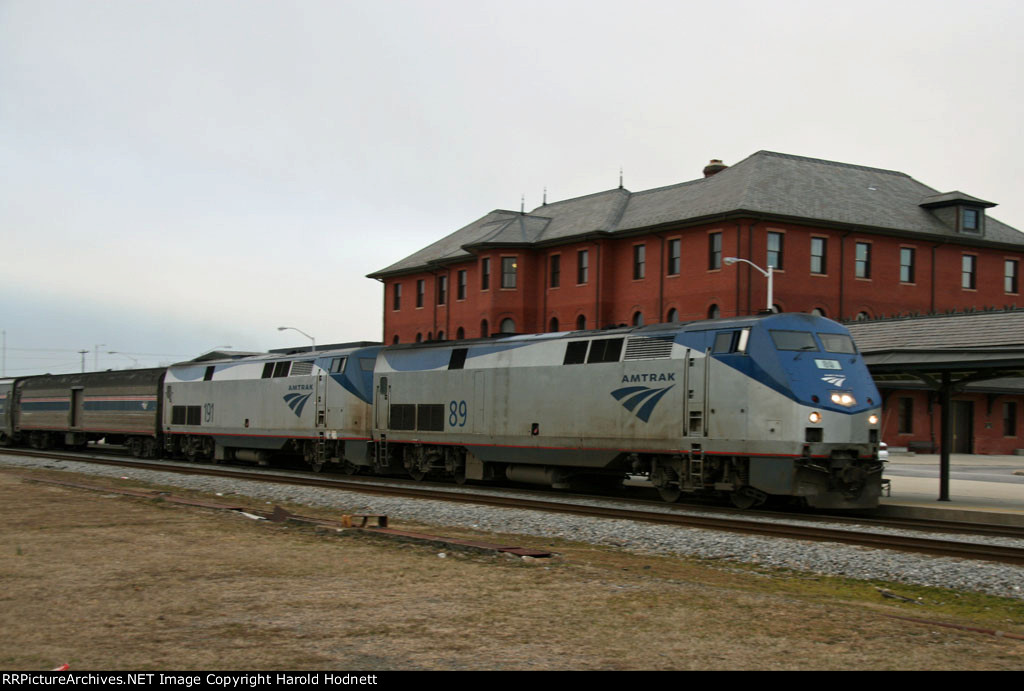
(768, 274)
(312, 347)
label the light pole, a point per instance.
(728, 261)
(312, 347)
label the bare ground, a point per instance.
(108, 582)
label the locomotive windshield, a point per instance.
(794, 340)
(837, 343)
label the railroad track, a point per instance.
(666, 515)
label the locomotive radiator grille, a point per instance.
(648, 348)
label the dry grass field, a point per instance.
(109, 582)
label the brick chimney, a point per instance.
(716, 166)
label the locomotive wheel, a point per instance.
(460, 475)
(349, 468)
(417, 474)
(746, 498)
(316, 466)
(135, 445)
(670, 494)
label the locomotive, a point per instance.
(776, 405)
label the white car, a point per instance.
(883, 451)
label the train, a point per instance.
(750, 408)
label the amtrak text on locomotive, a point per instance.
(663, 376)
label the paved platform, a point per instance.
(983, 489)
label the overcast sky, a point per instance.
(180, 175)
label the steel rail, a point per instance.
(932, 525)
(931, 546)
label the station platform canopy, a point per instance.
(947, 353)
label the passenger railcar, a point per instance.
(121, 406)
(752, 407)
(6, 412)
(316, 405)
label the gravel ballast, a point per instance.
(810, 557)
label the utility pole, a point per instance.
(83, 352)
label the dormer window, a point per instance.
(970, 220)
(960, 212)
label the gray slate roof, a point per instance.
(766, 184)
(979, 330)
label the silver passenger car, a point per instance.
(120, 406)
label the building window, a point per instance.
(968, 272)
(461, 288)
(508, 326)
(485, 273)
(714, 312)
(442, 289)
(818, 312)
(582, 266)
(639, 261)
(484, 329)
(1009, 419)
(397, 293)
(673, 257)
(419, 338)
(1010, 276)
(554, 324)
(905, 416)
(863, 260)
(638, 319)
(555, 271)
(460, 334)
(508, 272)
(906, 265)
(672, 316)
(420, 290)
(715, 251)
(970, 221)
(775, 250)
(581, 323)
(395, 339)
(819, 261)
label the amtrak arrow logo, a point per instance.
(296, 401)
(834, 379)
(633, 396)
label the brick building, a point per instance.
(845, 241)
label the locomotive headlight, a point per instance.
(814, 417)
(873, 419)
(843, 399)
